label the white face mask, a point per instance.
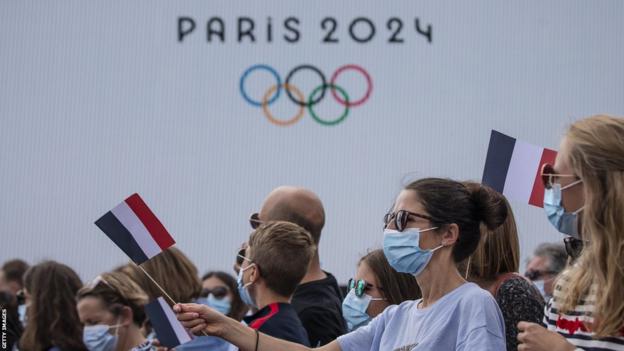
(98, 338)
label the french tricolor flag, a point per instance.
(169, 330)
(513, 168)
(135, 229)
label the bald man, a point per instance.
(317, 300)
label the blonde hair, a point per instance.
(596, 154)
(117, 290)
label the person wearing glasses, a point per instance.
(549, 259)
(318, 299)
(376, 285)
(434, 224)
(111, 308)
(220, 292)
(584, 198)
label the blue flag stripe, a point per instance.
(497, 161)
(164, 331)
(113, 228)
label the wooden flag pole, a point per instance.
(155, 283)
(162, 290)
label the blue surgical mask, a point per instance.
(403, 251)
(242, 288)
(21, 311)
(354, 309)
(564, 222)
(98, 338)
(539, 284)
(222, 305)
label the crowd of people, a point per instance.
(447, 277)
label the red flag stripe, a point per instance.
(537, 194)
(151, 222)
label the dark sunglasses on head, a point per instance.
(254, 221)
(401, 218)
(219, 292)
(240, 256)
(573, 246)
(549, 175)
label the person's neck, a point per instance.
(314, 271)
(132, 339)
(438, 280)
(266, 297)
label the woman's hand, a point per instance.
(534, 337)
(201, 319)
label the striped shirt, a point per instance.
(575, 325)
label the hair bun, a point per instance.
(490, 205)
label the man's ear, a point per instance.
(254, 275)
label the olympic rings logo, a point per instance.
(314, 97)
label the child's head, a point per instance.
(277, 258)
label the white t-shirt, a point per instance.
(467, 318)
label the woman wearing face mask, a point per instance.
(376, 285)
(434, 225)
(494, 266)
(111, 309)
(50, 291)
(585, 197)
(219, 291)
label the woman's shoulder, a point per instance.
(470, 292)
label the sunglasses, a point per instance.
(219, 292)
(401, 218)
(240, 256)
(573, 246)
(254, 220)
(360, 286)
(549, 175)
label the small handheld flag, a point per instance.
(513, 168)
(133, 227)
(169, 330)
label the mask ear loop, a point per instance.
(251, 265)
(468, 267)
(571, 184)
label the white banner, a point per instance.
(203, 107)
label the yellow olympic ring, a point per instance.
(281, 122)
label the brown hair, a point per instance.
(14, 271)
(116, 290)
(238, 309)
(498, 251)
(282, 251)
(396, 287)
(448, 202)
(173, 271)
(52, 316)
(596, 155)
